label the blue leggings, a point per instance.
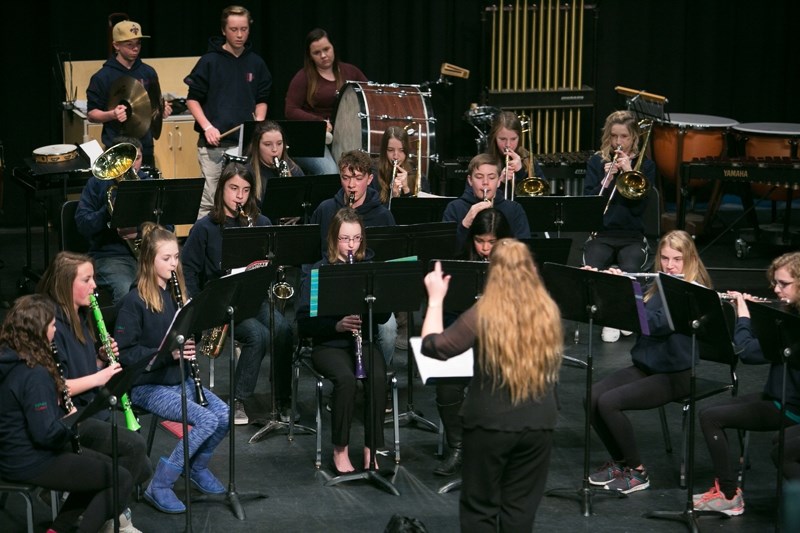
(209, 424)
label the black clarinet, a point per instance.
(194, 366)
(66, 399)
(359, 370)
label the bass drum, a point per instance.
(365, 109)
(769, 140)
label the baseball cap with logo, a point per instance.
(127, 30)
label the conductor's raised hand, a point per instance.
(436, 283)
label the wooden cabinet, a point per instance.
(176, 149)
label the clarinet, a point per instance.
(66, 399)
(130, 418)
(360, 372)
(194, 366)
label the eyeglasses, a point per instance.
(358, 177)
(781, 284)
(346, 238)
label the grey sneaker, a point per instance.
(715, 500)
(631, 480)
(239, 414)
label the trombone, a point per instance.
(532, 185)
(632, 184)
(411, 131)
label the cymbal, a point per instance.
(130, 93)
(156, 108)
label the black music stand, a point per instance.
(281, 246)
(467, 279)
(306, 138)
(174, 201)
(608, 300)
(778, 334)
(696, 311)
(229, 298)
(423, 241)
(563, 213)
(549, 251)
(413, 210)
(298, 196)
(107, 397)
(374, 288)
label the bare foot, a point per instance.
(341, 460)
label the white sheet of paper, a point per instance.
(92, 149)
(459, 366)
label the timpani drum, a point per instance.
(769, 139)
(687, 136)
(365, 109)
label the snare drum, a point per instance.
(366, 109)
(232, 155)
(55, 153)
(685, 137)
(769, 139)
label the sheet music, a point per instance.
(92, 149)
(459, 366)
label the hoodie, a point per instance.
(458, 208)
(372, 212)
(32, 428)
(228, 87)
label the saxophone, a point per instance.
(360, 372)
(66, 399)
(130, 418)
(283, 167)
(194, 366)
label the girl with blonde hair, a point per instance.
(510, 410)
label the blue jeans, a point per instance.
(209, 424)
(253, 335)
(314, 166)
(116, 274)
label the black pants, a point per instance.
(338, 365)
(791, 453)
(630, 253)
(503, 479)
(631, 389)
(751, 412)
(131, 447)
(89, 480)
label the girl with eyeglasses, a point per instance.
(334, 340)
(758, 411)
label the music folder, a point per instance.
(459, 366)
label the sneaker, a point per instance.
(285, 410)
(630, 480)
(626, 333)
(125, 524)
(606, 473)
(715, 500)
(610, 335)
(239, 414)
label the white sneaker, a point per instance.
(610, 335)
(626, 333)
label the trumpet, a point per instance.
(194, 366)
(359, 370)
(351, 200)
(130, 418)
(391, 182)
(485, 196)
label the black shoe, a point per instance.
(285, 410)
(338, 472)
(452, 464)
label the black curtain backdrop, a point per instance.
(737, 59)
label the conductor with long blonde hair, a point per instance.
(510, 410)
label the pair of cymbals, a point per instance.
(145, 108)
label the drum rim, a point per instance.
(697, 124)
(66, 149)
(750, 127)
